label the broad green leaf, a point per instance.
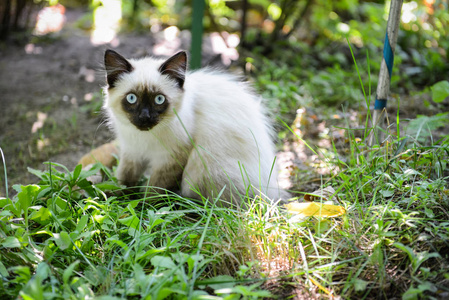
(82, 223)
(62, 239)
(416, 258)
(155, 223)
(41, 216)
(219, 282)
(131, 221)
(107, 186)
(87, 186)
(114, 239)
(69, 271)
(45, 190)
(3, 270)
(377, 256)
(23, 272)
(149, 253)
(76, 172)
(11, 242)
(4, 202)
(54, 164)
(92, 171)
(145, 240)
(411, 294)
(107, 297)
(8, 208)
(360, 285)
(387, 193)
(38, 173)
(57, 203)
(428, 286)
(422, 257)
(162, 262)
(6, 213)
(429, 212)
(440, 91)
(164, 293)
(27, 195)
(48, 251)
(407, 250)
(131, 209)
(42, 271)
(423, 125)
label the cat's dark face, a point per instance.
(145, 108)
(144, 92)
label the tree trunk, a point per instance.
(243, 27)
(20, 5)
(300, 18)
(135, 12)
(6, 19)
(280, 22)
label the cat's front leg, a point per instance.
(129, 171)
(167, 176)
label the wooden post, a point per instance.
(243, 24)
(197, 34)
(386, 68)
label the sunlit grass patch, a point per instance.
(66, 237)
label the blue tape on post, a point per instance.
(388, 55)
(380, 104)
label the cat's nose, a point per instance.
(144, 114)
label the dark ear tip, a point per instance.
(181, 53)
(108, 52)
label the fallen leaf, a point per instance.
(310, 209)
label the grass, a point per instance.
(67, 238)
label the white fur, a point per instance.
(217, 129)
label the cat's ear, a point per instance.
(115, 65)
(175, 67)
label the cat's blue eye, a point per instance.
(159, 99)
(131, 98)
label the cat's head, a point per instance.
(144, 92)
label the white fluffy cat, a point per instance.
(196, 132)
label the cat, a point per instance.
(203, 133)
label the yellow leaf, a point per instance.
(309, 209)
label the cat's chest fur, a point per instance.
(160, 147)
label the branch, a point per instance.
(300, 18)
